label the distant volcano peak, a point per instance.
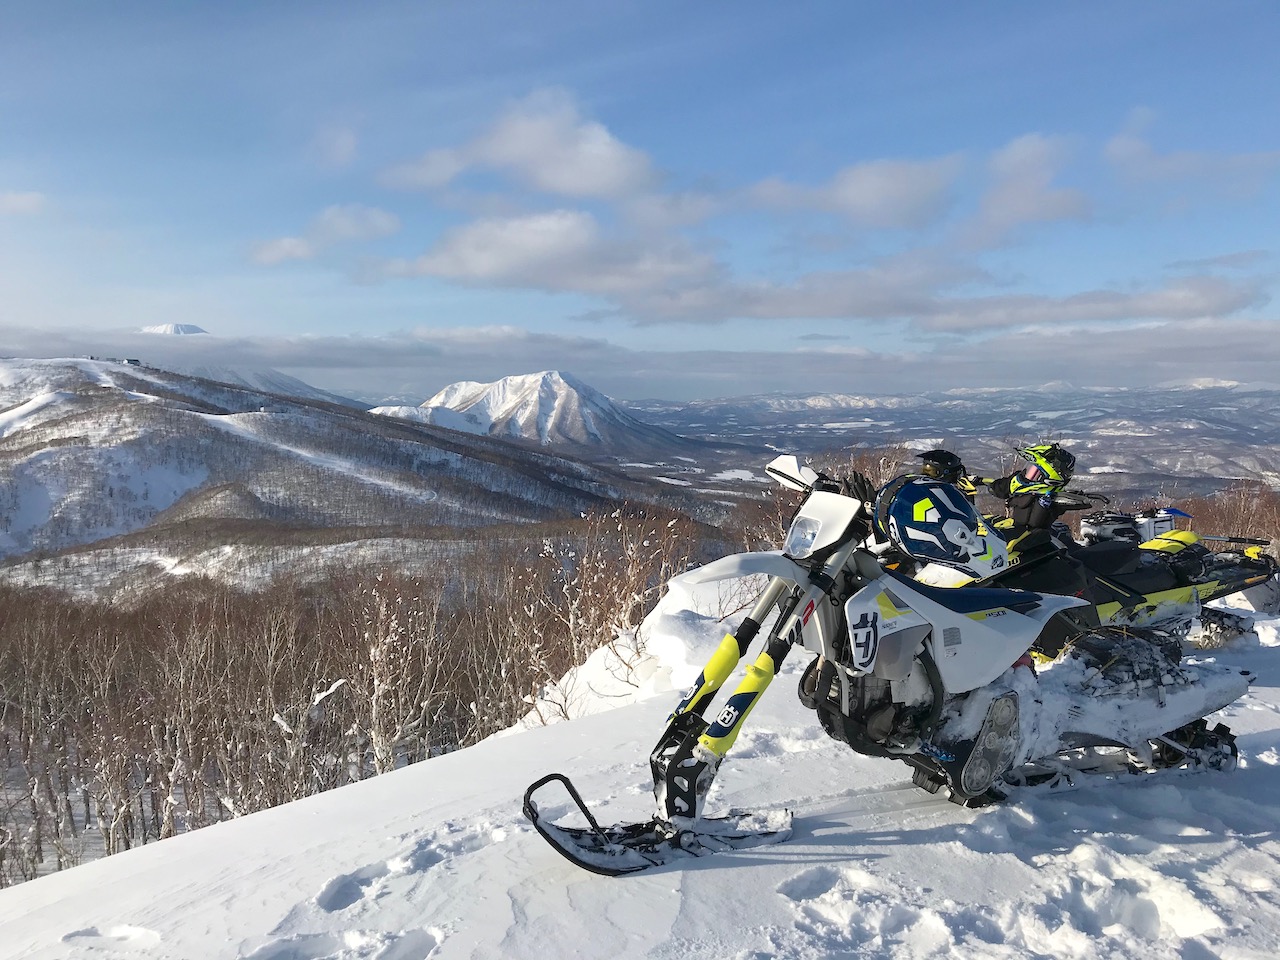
(549, 408)
(175, 329)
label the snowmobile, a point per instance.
(1134, 568)
(937, 678)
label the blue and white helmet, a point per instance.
(934, 523)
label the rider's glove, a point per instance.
(857, 486)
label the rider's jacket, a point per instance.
(1030, 503)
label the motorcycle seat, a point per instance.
(971, 599)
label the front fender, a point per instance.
(770, 562)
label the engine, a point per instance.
(883, 720)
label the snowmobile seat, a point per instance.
(1122, 562)
(1110, 558)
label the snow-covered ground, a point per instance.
(436, 861)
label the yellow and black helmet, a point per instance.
(1049, 463)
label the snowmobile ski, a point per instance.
(631, 847)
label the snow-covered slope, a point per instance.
(435, 861)
(549, 408)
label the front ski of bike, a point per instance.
(631, 847)
(684, 764)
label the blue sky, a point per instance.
(666, 199)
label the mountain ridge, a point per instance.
(95, 449)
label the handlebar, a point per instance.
(1078, 500)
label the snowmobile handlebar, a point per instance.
(1251, 541)
(1078, 500)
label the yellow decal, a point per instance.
(1171, 542)
(921, 510)
(988, 614)
(887, 608)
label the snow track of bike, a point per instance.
(436, 861)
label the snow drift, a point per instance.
(435, 860)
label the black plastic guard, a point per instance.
(680, 780)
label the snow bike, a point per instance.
(938, 678)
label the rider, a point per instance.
(945, 466)
(941, 465)
(1028, 493)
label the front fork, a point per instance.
(687, 756)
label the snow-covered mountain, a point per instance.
(175, 329)
(550, 408)
(97, 449)
(266, 380)
(435, 861)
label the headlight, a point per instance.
(801, 537)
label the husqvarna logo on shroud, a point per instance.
(864, 641)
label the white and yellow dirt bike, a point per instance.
(935, 677)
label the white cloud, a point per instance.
(1137, 158)
(880, 193)
(894, 193)
(517, 250)
(1133, 157)
(545, 143)
(1240, 260)
(351, 223)
(345, 223)
(561, 250)
(21, 203)
(1022, 191)
(888, 288)
(435, 169)
(669, 211)
(1183, 299)
(667, 280)
(281, 250)
(335, 146)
